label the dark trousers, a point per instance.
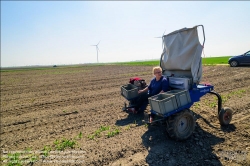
(141, 101)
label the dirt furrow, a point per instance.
(41, 106)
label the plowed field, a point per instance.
(83, 105)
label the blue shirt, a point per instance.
(156, 87)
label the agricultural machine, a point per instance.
(181, 64)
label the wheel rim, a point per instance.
(183, 125)
(227, 116)
(234, 63)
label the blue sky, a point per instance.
(62, 32)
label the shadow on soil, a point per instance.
(131, 119)
(197, 150)
(229, 128)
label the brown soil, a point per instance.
(39, 107)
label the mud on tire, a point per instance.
(181, 125)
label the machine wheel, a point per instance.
(225, 116)
(181, 125)
(233, 63)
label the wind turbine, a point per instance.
(97, 49)
(162, 37)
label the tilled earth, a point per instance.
(41, 107)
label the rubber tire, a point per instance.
(234, 63)
(225, 116)
(174, 121)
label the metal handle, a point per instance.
(203, 34)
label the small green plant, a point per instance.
(91, 136)
(13, 159)
(104, 128)
(27, 150)
(64, 143)
(127, 127)
(197, 105)
(80, 135)
(46, 150)
(29, 156)
(113, 133)
(225, 98)
(212, 105)
(97, 133)
(33, 158)
(240, 93)
(32, 100)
